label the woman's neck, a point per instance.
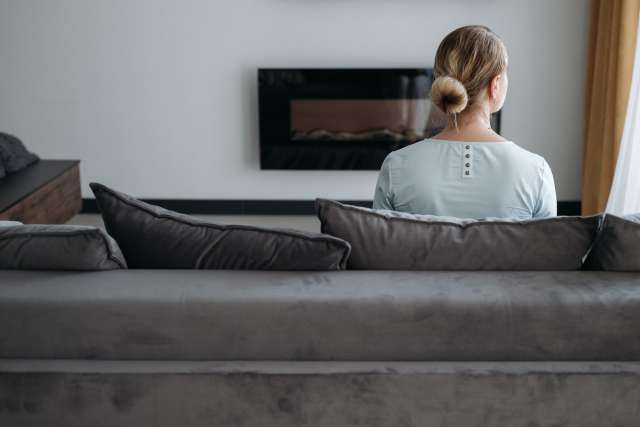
(473, 125)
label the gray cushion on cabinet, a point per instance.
(9, 223)
(153, 237)
(388, 240)
(13, 154)
(58, 247)
(617, 245)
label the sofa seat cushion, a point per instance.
(348, 315)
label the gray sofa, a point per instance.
(346, 348)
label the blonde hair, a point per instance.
(466, 61)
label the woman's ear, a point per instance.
(494, 86)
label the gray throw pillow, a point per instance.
(388, 240)
(58, 247)
(13, 154)
(617, 245)
(153, 237)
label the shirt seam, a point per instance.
(538, 206)
(390, 168)
(445, 141)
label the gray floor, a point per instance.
(298, 222)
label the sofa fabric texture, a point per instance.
(389, 240)
(13, 154)
(156, 238)
(323, 394)
(617, 246)
(58, 247)
(320, 316)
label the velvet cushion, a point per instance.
(320, 315)
(13, 154)
(9, 223)
(153, 237)
(390, 240)
(617, 245)
(58, 247)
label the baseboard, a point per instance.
(266, 207)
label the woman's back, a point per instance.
(466, 180)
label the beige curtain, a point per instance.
(612, 41)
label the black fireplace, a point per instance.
(343, 118)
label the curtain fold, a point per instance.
(624, 197)
(611, 53)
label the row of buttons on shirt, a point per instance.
(466, 160)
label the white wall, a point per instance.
(158, 97)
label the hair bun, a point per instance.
(449, 95)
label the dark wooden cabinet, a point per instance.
(47, 192)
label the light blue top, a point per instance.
(466, 180)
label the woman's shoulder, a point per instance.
(421, 151)
(529, 164)
(398, 155)
(413, 148)
(528, 156)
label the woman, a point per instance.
(468, 170)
